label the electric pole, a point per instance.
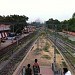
(55, 37)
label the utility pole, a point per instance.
(67, 31)
(55, 49)
(38, 42)
(46, 35)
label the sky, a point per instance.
(41, 10)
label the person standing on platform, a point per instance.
(24, 72)
(28, 70)
(66, 72)
(36, 68)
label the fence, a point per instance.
(57, 71)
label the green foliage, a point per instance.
(64, 64)
(73, 16)
(46, 47)
(68, 25)
(13, 18)
(51, 24)
(37, 51)
(57, 51)
(46, 57)
(17, 22)
(37, 24)
(43, 33)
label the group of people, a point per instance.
(36, 69)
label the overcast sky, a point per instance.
(39, 9)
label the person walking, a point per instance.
(28, 70)
(36, 68)
(66, 72)
(24, 72)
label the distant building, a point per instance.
(69, 32)
(4, 29)
(29, 28)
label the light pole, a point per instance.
(12, 33)
(38, 42)
(17, 38)
(46, 32)
(67, 31)
(55, 49)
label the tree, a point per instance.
(18, 22)
(73, 16)
(51, 23)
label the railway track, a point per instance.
(8, 51)
(12, 64)
(9, 48)
(67, 56)
(65, 52)
(16, 58)
(68, 45)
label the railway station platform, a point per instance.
(6, 43)
(46, 70)
(10, 41)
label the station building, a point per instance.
(4, 30)
(29, 28)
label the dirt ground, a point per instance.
(43, 50)
(45, 58)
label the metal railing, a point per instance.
(57, 71)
